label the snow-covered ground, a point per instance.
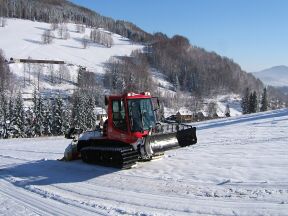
(232, 100)
(164, 87)
(220, 101)
(238, 167)
(22, 39)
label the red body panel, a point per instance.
(126, 136)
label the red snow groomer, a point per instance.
(131, 133)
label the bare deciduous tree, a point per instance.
(107, 40)
(80, 28)
(47, 37)
(29, 69)
(54, 26)
(3, 21)
(85, 41)
(63, 32)
(66, 35)
(5, 75)
(51, 72)
(128, 75)
(63, 73)
(212, 109)
(38, 71)
(101, 37)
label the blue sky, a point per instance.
(254, 33)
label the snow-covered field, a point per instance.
(22, 39)
(238, 167)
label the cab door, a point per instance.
(119, 129)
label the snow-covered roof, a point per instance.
(184, 111)
(100, 110)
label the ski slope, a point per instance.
(22, 39)
(238, 167)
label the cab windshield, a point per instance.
(141, 114)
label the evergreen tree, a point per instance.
(29, 122)
(91, 116)
(82, 118)
(76, 117)
(37, 113)
(10, 116)
(66, 117)
(83, 115)
(19, 122)
(3, 108)
(253, 103)
(245, 102)
(256, 103)
(57, 125)
(47, 118)
(264, 101)
(177, 83)
(3, 115)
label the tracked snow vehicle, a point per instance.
(131, 133)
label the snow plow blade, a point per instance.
(172, 136)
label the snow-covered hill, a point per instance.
(276, 76)
(22, 39)
(238, 167)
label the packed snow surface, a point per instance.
(22, 39)
(238, 167)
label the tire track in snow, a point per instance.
(174, 204)
(14, 158)
(30, 151)
(40, 205)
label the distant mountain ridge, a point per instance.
(275, 76)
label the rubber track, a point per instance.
(117, 157)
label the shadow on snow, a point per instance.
(46, 172)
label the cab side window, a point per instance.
(119, 118)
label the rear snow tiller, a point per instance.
(130, 134)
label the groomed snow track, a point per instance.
(238, 167)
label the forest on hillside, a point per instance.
(195, 73)
(46, 116)
(61, 11)
(192, 70)
(188, 67)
